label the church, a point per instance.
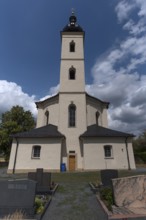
(72, 127)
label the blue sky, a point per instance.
(115, 54)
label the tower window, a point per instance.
(72, 46)
(47, 117)
(72, 73)
(36, 150)
(72, 115)
(107, 151)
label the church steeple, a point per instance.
(72, 57)
(72, 97)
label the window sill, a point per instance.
(35, 158)
(109, 158)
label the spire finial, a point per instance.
(72, 18)
(73, 11)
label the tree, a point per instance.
(14, 121)
(139, 146)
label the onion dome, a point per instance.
(72, 26)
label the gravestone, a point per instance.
(43, 180)
(107, 176)
(130, 193)
(17, 195)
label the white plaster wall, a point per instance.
(65, 50)
(69, 59)
(50, 158)
(104, 118)
(40, 118)
(72, 133)
(76, 85)
(94, 154)
(53, 115)
(91, 114)
(92, 108)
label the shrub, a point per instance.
(141, 156)
(40, 202)
(107, 196)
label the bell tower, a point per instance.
(72, 57)
(72, 97)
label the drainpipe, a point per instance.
(126, 143)
(17, 144)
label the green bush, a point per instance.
(107, 196)
(141, 156)
(39, 205)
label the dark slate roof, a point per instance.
(46, 100)
(72, 26)
(96, 99)
(48, 131)
(98, 131)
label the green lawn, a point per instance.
(75, 177)
(88, 176)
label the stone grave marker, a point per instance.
(43, 180)
(107, 176)
(16, 195)
(130, 192)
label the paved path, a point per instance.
(74, 202)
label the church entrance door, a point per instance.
(71, 162)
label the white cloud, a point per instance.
(11, 94)
(124, 8)
(116, 76)
(52, 91)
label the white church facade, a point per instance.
(72, 126)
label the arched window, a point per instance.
(72, 73)
(72, 115)
(72, 46)
(47, 117)
(97, 118)
(36, 150)
(107, 151)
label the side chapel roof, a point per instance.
(98, 131)
(43, 102)
(48, 131)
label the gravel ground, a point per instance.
(74, 202)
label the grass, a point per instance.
(75, 177)
(86, 177)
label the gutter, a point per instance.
(126, 143)
(17, 144)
